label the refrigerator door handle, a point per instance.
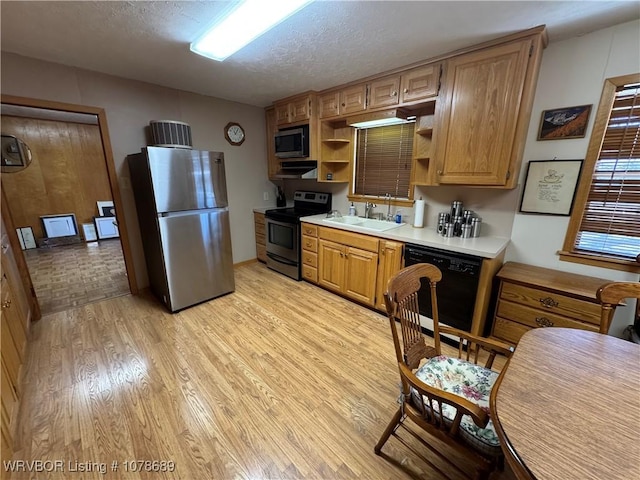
(191, 212)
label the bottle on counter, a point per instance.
(352, 210)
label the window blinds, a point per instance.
(611, 220)
(383, 160)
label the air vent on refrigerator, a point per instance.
(170, 133)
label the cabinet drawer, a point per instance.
(508, 331)
(260, 239)
(310, 244)
(310, 258)
(310, 273)
(309, 230)
(534, 317)
(551, 303)
(347, 238)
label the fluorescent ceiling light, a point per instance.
(379, 119)
(249, 20)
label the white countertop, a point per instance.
(486, 247)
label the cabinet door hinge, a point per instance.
(366, 96)
(508, 174)
(531, 50)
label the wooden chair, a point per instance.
(611, 294)
(447, 397)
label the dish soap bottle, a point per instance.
(352, 210)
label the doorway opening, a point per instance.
(71, 176)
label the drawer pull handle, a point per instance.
(544, 322)
(549, 302)
(6, 304)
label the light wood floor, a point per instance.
(279, 380)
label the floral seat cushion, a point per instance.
(470, 381)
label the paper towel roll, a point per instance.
(418, 215)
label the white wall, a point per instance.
(129, 106)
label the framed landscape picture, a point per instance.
(561, 123)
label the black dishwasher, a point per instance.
(457, 289)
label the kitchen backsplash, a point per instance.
(496, 207)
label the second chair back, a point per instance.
(402, 304)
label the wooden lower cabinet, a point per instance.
(348, 264)
(261, 243)
(390, 262)
(348, 270)
(535, 297)
(310, 252)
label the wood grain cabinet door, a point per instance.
(282, 113)
(353, 99)
(331, 264)
(329, 105)
(300, 110)
(360, 275)
(384, 92)
(390, 263)
(482, 93)
(420, 83)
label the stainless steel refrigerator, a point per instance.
(181, 200)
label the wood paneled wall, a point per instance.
(68, 173)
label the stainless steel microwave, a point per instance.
(292, 142)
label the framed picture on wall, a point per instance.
(63, 225)
(562, 123)
(550, 186)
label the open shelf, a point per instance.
(425, 132)
(336, 152)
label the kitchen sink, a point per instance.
(364, 223)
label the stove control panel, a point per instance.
(318, 199)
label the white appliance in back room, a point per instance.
(181, 200)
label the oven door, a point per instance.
(283, 247)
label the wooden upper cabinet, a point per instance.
(420, 83)
(343, 102)
(384, 92)
(329, 104)
(353, 99)
(293, 110)
(483, 115)
(300, 109)
(282, 113)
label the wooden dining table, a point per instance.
(567, 406)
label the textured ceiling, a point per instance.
(326, 44)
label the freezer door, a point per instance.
(197, 255)
(184, 179)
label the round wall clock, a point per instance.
(234, 133)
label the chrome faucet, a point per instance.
(388, 199)
(368, 207)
